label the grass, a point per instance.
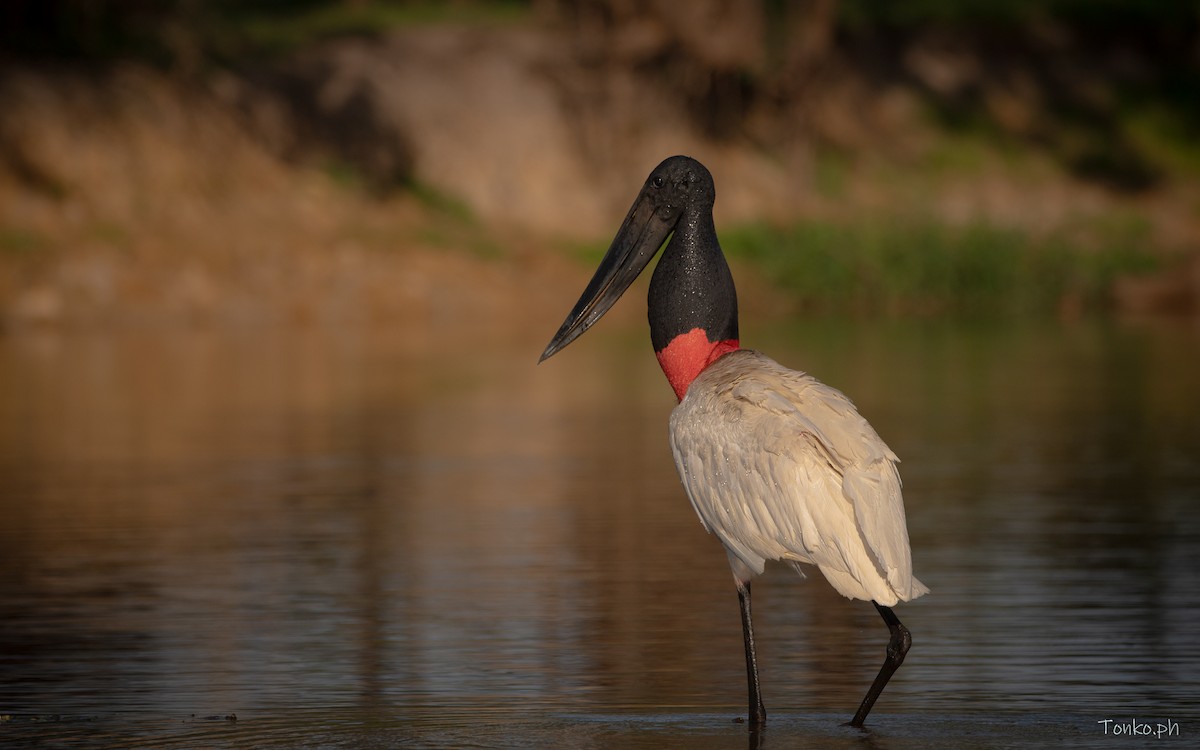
(1111, 13)
(276, 29)
(922, 267)
(1166, 136)
(175, 33)
(18, 243)
(451, 224)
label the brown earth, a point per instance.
(130, 195)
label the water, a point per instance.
(361, 539)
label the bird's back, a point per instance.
(782, 467)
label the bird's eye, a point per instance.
(658, 181)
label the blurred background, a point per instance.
(274, 276)
(297, 159)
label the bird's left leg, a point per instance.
(897, 647)
(757, 714)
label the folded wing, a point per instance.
(782, 467)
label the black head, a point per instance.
(680, 186)
(677, 184)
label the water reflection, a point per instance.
(340, 537)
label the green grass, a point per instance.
(451, 224)
(20, 242)
(1166, 135)
(275, 29)
(442, 204)
(167, 34)
(907, 266)
(1111, 13)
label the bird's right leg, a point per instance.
(758, 714)
(898, 646)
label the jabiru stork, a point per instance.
(776, 464)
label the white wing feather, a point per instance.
(782, 467)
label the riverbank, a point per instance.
(436, 171)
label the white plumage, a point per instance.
(776, 464)
(782, 467)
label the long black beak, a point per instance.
(638, 239)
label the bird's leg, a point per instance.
(758, 714)
(897, 647)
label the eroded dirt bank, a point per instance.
(439, 173)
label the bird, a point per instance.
(776, 464)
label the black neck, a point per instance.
(692, 286)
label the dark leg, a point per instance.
(758, 714)
(897, 647)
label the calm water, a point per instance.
(352, 539)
